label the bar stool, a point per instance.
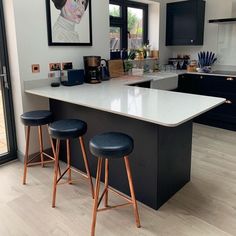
(110, 146)
(68, 129)
(36, 118)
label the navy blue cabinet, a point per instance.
(185, 23)
(191, 83)
(223, 116)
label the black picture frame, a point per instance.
(51, 11)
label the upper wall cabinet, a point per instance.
(185, 23)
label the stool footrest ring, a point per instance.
(73, 169)
(62, 174)
(100, 200)
(118, 194)
(49, 156)
(39, 163)
(30, 163)
(114, 207)
(80, 172)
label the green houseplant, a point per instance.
(128, 65)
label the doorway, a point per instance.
(7, 129)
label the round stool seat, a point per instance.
(37, 118)
(111, 145)
(67, 129)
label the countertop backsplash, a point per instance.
(227, 45)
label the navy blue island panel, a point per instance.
(160, 162)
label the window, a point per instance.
(114, 10)
(135, 28)
(115, 38)
(128, 24)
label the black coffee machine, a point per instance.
(92, 69)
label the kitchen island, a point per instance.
(160, 123)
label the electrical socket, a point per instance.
(35, 68)
(54, 66)
(67, 65)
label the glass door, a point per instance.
(7, 131)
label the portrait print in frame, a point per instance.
(69, 22)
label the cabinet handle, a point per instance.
(228, 102)
(191, 41)
(230, 79)
(201, 77)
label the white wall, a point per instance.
(31, 32)
(234, 10)
(226, 54)
(26, 28)
(164, 52)
(154, 24)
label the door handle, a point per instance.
(4, 76)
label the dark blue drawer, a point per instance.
(227, 111)
(218, 83)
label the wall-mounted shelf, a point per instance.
(225, 20)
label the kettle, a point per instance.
(104, 70)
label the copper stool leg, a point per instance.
(41, 145)
(96, 196)
(86, 164)
(56, 165)
(26, 153)
(106, 182)
(68, 160)
(53, 150)
(127, 165)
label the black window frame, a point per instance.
(6, 95)
(122, 21)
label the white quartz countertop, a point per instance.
(156, 106)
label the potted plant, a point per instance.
(128, 66)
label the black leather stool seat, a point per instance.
(37, 118)
(67, 129)
(111, 145)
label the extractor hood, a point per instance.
(223, 20)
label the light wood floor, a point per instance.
(205, 206)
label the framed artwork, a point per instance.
(69, 22)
